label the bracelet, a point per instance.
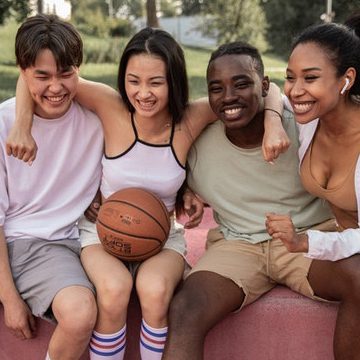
(274, 111)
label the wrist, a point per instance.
(303, 241)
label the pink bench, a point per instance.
(281, 325)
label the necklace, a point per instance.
(149, 134)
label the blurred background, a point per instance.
(198, 25)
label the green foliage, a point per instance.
(191, 7)
(287, 18)
(16, 8)
(7, 41)
(121, 27)
(103, 50)
(234, 20)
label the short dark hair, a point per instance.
(41, 32)
(341, 44)
(239, 48)
(160, 43)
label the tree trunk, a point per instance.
(152, 19)
(39, 5)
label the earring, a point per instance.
(347, 82)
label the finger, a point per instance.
(8, 149)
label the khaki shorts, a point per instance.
(257, 268)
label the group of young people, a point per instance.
(149, 135)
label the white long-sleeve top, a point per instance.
(46, 199)
(330, 245)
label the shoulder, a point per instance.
(7, 115)
(85, 114)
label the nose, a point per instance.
(55, 85)
(295, 88)
(144, 92)
(229, 94)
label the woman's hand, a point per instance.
(21, 145)
(194, 208)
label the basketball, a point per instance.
(133, 224)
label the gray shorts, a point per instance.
(41, 268)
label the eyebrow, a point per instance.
(152, 78)
(307, 69)
(234, 78)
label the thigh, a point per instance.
(166, 267)
(105, 270)
(42, 268)
(239, 261)
(209, 297)
(333, 280)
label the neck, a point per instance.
(341, 121)
(152, 124)
(250, 136)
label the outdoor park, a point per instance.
(197, 24)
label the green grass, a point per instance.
(196, 59)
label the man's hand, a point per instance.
(194, 208)
(281, 227)
(19, 320)
(92, 211)
(21, 145)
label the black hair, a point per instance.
(41, 32)
(239, 48)
(160, 43)
(341, 44)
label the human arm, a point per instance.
(18, 317)
(20, 142)
(92, 211)
(275, 139)
(316, 244)
(194, 208)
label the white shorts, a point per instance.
(176, 240)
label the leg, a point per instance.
(155, 285)
(344, 286)
(156, 281)
(113, 284)
(195, 309)
(74, 308)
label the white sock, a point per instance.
(152, 341)
(108, 346)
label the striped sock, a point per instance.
(152, 341)
(108, 346)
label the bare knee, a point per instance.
(75, 311)
(155, 296)
(113, 295)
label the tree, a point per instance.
(151, 15)
(236, 20)
(288, 18)
(191, 7)
(19, 8)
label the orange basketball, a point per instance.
(133, 224)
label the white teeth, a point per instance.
(55, 98)
(232, 111)
(302, 108)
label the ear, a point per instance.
(265, 86)
(349, 78)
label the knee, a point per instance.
(352, 285)
(155, 295)
(77, 314)
(187, 309)
(113, 295)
